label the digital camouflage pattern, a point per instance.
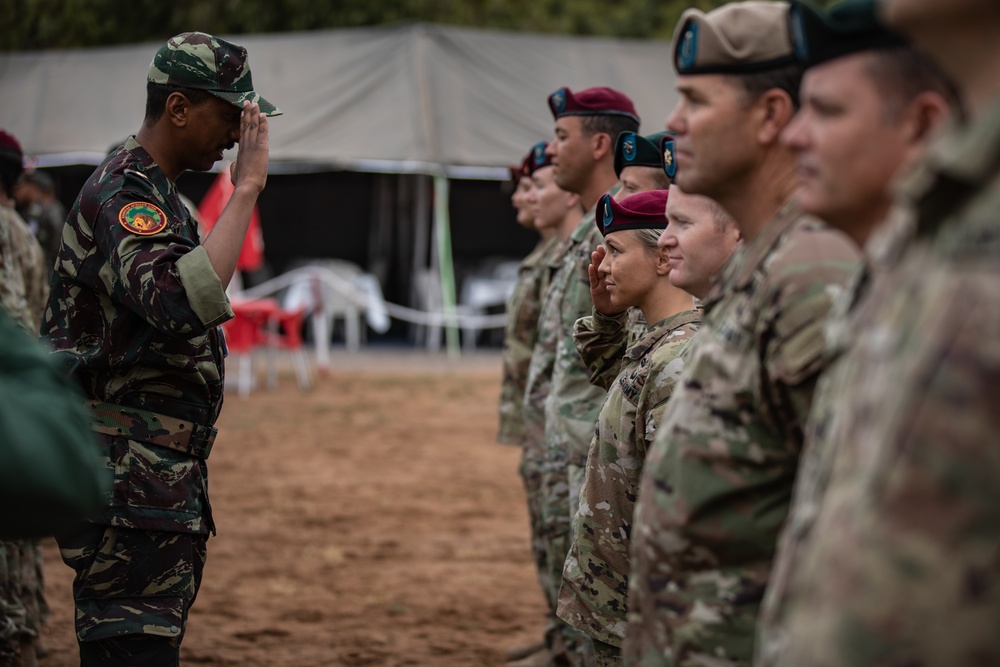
(13, 290)
(826, 422)
(902, 566)
(135, 316)
(718, 480)
(595, 576)
(542, 374)
(206, 62)
(523, 309)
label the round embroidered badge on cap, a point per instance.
(669, 161)
(142, 218)
(688, 51)
(608, 216)
(559, 100)
(628, 147)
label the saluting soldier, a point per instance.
(134, 312)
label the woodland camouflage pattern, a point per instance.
(595, 579)
(199, 60)
(135, 316)
(718, 480)
(902, 562)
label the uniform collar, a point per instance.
(662, 328)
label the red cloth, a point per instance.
(211, 206)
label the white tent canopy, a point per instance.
(401, 98)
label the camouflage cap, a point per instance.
(645, 210)
(201, 61)
(633, 150)
(847, 27)
(737, 38)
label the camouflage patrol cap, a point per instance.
(737, 38)
(633, 150)
(645, 210)
(201, 61)
(847, 27)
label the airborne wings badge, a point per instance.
(142, 218)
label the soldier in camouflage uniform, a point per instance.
(717, 482)
(36, 202)
(884, 121)
(519, 340)
(582, 152)
(629, 271)
(638, 164)
(900, 566)
(134, 311)
(23, 295)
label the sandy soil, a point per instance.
(370, 521)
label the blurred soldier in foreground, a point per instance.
(628, 271)
(23, 292)
(871, 104)
(902, 564)
(717, 482)
(134, 312)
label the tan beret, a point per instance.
(736, 38)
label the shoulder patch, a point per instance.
(142, 218)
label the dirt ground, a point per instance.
(370, 521)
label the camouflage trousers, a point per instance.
(531, 470)
(568, 645)
(133, 590)
(23, 609)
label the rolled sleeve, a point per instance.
(204, 290)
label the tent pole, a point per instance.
(442, 226)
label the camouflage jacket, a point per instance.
(825, 422)
(903, 568)
(573, 403)
(134, 311)
(523, 309)
(595, 578)
(718, 480)
(46, 222)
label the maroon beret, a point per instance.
(645, 210)
(532, 162)
(10, 142)
(592, 102)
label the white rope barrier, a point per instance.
(346, 289)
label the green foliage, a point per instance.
(53, 24)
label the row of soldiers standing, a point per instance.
(818, 482)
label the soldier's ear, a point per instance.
(177, 109)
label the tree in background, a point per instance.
(57, 24)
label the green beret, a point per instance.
(848, 27)
(633, 150)
(737, 38)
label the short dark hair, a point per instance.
(902, 73)
(157, 94)
(787, 78)
(610, 124)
